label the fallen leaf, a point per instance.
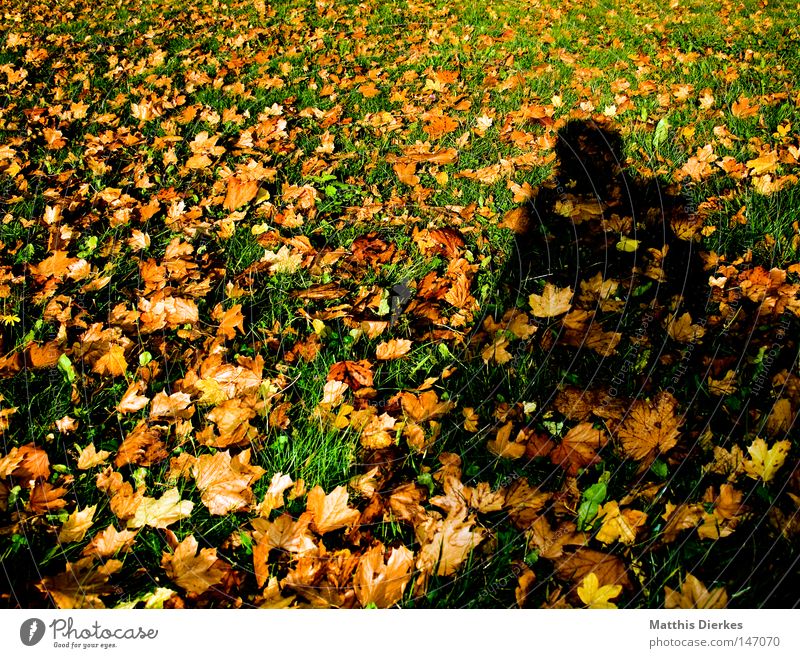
(596, 597)
(77, 525)
(194, 571)
(161, 512)
(330, 512)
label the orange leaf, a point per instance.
(239, 192)
(330, 512)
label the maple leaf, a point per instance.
(497, 351)
(194, 571)
(161, 512)
(393, 349)
(382, 583)
(579, 448)
(650, 428)
(424, 407)
(239, 192)
(30, 463)
(77, 525)
(273, 497)
(112, 363)
(285, 534)
(524, 503)
(595, 596)
(764, 461)
(680, 517)
(176, 405)
(143, 446)
(550, 542)
(552, 302)
(330, 512)
(525, 580)
(619, 525)
(503, 447)
(447, 543)
(131, 401)
(682, 329)
(46, 498)
(109, 542)
(695, 595)
(438, 126)
(378, 432)
(609, 569)
(356, 374)
(224, 483)
(406, 173)
(81, 584)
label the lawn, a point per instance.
(417, 304)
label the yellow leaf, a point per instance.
(553, 301)
(162, 512)
(595, 596)
(626, 244)
(76, 525)
(765, 461)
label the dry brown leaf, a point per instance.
(552, 302)
(330, 512)
(89, 457)
(695, 595)
(651, 427)
(224, 482)
(579, 448)
(502, 446)
(77, 525)
(161, 512)
(383, 583)
(81, 584)
(194, 571)
(109, 542)
(393, 349)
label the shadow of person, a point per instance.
(593, 216)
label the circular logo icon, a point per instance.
(31, 632)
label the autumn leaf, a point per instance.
(194, 571)
(579, 448)
(381, 581)
(330, 512)
(77, 524)
(82, 584)
(552, 302)
(224, 482)
(406, 173)
(447, 544)
(109, 542)
(502, 446)
(595, 596)
(239, 192)
(161, 512)
(112, 363)
(393, 349)
(764, 461)
(651, 427)
(694, 595)
(619, 524)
